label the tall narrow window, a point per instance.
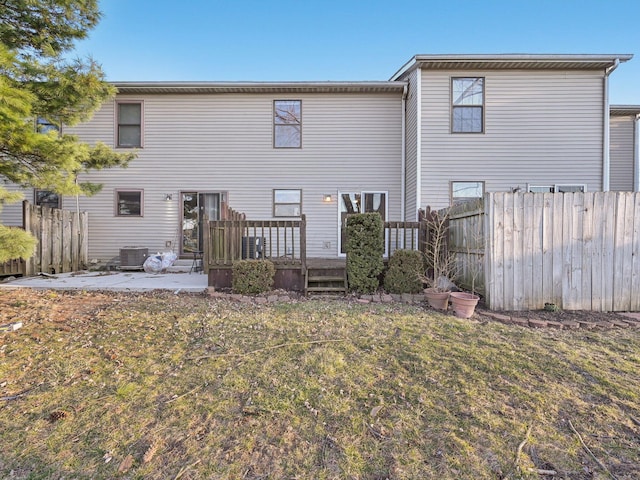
(287, 123)
(129, 125)
(467, 105)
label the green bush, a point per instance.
(404, 272)
(252, 276)
(365, 247)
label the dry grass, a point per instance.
(163, 386)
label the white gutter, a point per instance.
(636, 154)
(403, 154)
(606, 159)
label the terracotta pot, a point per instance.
(464, 304)
(437, 300)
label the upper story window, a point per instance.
(287, 123)
(467, 105)
(129, 134)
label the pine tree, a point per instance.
(36, 82)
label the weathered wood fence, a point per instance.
(62, 239)
(579, 251)
(12, 267)
(466, 241)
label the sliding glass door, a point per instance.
(197, 208)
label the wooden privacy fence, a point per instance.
(62, 239)
(579, 251)
(12, 267)
(281, 241)
(465, 240)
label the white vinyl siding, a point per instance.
(224, 143)
(411, 149)
(621, 153)
(540, 127)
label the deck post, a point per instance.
(303, 243)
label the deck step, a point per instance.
(326, 289)
(319, 278)
(327, 278)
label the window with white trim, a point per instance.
(287, 203)
(129, 128)
(287, 123)
(465, 190)
(129, 203)
(557, 188)
(467, 105)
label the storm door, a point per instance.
(361, 202)
(197, 208)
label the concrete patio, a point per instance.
(114, 281)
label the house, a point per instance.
(487, 123)
(625, 148)
(444, 128)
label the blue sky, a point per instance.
(299, 40)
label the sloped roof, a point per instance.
(511, 61)
(259, 87)
(624, 110)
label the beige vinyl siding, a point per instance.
(541, 127)
(411, 152)
(224, 143)
(11, 214)
(622, 134)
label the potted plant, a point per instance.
(464, 303)
(440, 262)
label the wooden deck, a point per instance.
(326, 263)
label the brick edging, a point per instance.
(627, 320)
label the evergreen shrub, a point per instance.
(365, 248)
(252, 276)
(406, 267)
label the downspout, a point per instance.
(606, 159)
(418, 143)
(636, 154)
(403, 154)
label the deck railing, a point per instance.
(281, 241)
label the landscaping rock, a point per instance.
(537, 323)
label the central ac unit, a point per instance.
(132, 258)
(252, 247)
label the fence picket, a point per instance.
(547, 248)
(635, 256)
